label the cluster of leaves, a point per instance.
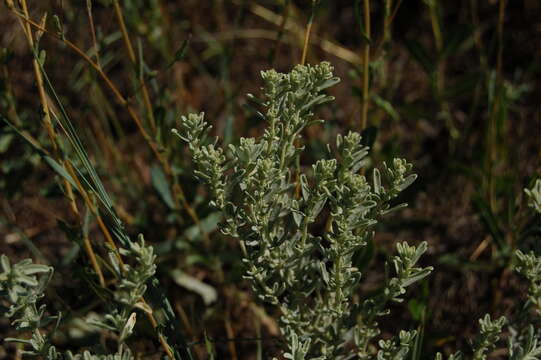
(275, 215)
(130, 289)
(21, 286)
(19, 283)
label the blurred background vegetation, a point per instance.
(452, 86)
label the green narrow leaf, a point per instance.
(410, 179)
(208, 293)
(458, 37)
(208, 225)
(140, 61)
(463, 86)
(385, 106)
(60, 170)
(418, 344)
(324, 272)
(71, 255)
(377, 181)
(181, 52)
(359, 18)
(161, 185)
(328, 83)
(36, 146)
(210, 347)
(419, 53)
(4, 261)
(5, 141)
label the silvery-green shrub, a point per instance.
(308, 274)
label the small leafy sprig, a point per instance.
(529, 266)
(488, 336)
(406, 274)
(534, 195)
(23, 287)
(526, 344)
(396, 350)
(131, 288)
(19, 283)
(309, 275)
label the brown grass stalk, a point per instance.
(53, 137)
(307, 34)
(366, 65)
(492, 132)
(179, 196)
(92, 30)
(131, 54)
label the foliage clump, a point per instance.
(23, 284)
(274, 211)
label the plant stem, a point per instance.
(366, 64)
(307, 33)
(436, 29)
(326, 45)
(39, 80)
(390, 19)
(492, 132)
(133, 60)
(53, 138)
(440, 70)
(92, 30)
